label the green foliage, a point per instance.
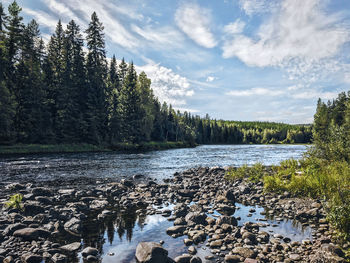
(15, 201)
(254, 173)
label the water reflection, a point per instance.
(118, 235)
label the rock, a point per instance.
(175, 230)
(73, 226)
(227, 220)
(334, 249)
(89, 251)
(151, 252)
(8, 259)
(232, 259)
(216, 244)
(91, 258)
(98, 204)
(196, 217)
(33, 208)
(186, 193)
(192, 250)
(31, 258)
(59, 258)
(244, 252)
(295, 257)
(184, 258)
(226, 209)
(10, 229)
(196, 260)
(31, 233)
(72, 247)
(250, 260)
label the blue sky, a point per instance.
(234, 59)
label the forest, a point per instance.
(68, 91)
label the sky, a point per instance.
(249, 60)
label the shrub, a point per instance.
(15, 201)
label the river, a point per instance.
(155, 164)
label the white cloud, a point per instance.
(42, 18)
(251, 7)
(302, 41)
(195, 22)
(255, 91)
(210, 79)
(167, 85)
(235, 27)
(163, 37)
(294, 92)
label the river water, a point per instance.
(155, 164)
(118, 237)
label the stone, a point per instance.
(175, 230)
(197, 218)
(72, 247)
(192, 250)
(250, 260)
(31, 233)
(196, 260)
(59, 258)
(89, 251)
(10, 229)
(216, 244)
(184, 258)
(232, 259)
(151, 252)
(295, 257)
(73, 226)
(98, 204)
(227, 220)
(31, 258)
(244, 252)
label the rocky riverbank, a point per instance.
(57, 216)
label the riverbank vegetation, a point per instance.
(324, 172)
(61, 94)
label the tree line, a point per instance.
(58, 93)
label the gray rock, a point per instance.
(31, 233)
(89, 251)
(72, 247)
(10, 229)
(31, 258)
(175, 230)
(151, 252)
(197, 218)
(232, 259)
(73, 226)
(196, 260)
(244, 252)
(227, 220)
(59, 258)
(184, 258)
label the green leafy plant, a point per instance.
(15, 201)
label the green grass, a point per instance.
(309, 177)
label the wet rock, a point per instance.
(98, 204)
(151, 252)
(295, 257)
(32, 208)
(91, 258)
(73, 226)
(71, 248)
(31, 233)
(89, 251)
(31, 258)
(59, 258)
(10, 229)
(232, 259)
(244, 252)
(250, 260)
(227, 220)
(196, 260)
(186, 193)
(184, 258)
(175, 230)
(192, 250)
(196, 217)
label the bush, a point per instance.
(15, 201)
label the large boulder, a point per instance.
(73, 226)
(196, 217)
(31, 233)
(151, 252)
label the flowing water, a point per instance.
(118, 236)
(156, 164)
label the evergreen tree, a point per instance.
(114, 91)
(97, 103)
(129, 108)
(123, 69)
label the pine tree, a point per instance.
(147, 106)
(97, 112)
(123, 69)
(54, 77)
(129, 108)
(113, 97)
(73, 85)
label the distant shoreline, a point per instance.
(121, 147)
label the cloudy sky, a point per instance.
(234, 59)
